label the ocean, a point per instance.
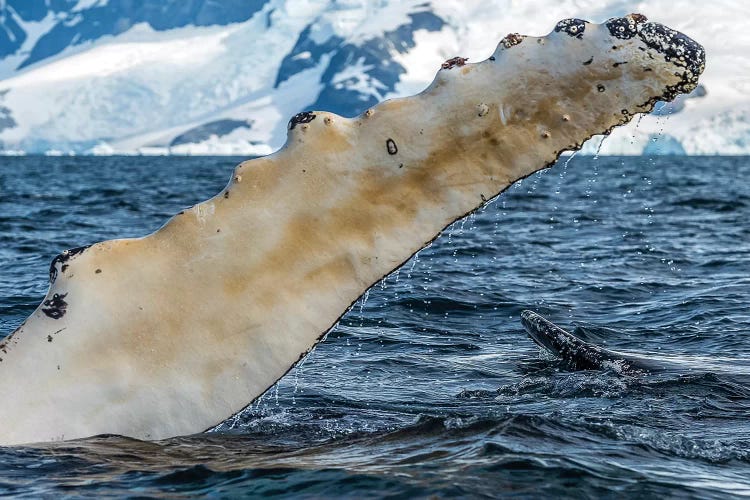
(429, 387)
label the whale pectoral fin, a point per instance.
(170, 333)
(580, 354)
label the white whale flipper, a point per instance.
(171, 333)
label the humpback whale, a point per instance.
(173, 332)
(582, 355)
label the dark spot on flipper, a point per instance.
(390, 145)
(573, 27)
(586, 63)
(62, 259)
(600, 88)
(56, 307)
(304, 117)
(454, 61)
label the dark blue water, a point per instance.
(429, 387)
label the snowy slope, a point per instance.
(203, 77)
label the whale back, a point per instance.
(173, 332)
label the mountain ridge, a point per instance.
(200, 77)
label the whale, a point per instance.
(171, 333)
(577, 352)
(581, 355)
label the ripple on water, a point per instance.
(431, 388)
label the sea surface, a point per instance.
(429, 386)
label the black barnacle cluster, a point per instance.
(55, 307)
(624, 28)
(62, 259)
(676, 48)
(304, 117)
(573, 27)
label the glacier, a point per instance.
(200, 77)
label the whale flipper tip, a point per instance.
(579, 354)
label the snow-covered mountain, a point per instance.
(208, 77)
